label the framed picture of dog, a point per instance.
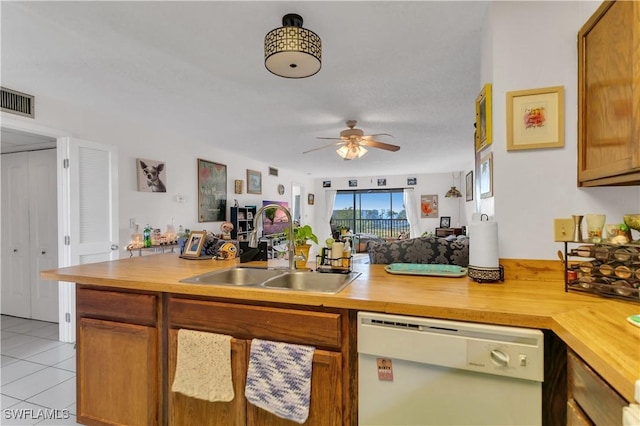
(212, 191)
(152, 175)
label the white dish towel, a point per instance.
(279, 378)
(203, 366)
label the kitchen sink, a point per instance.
(276, 279)
(311, 281)
(235, 276)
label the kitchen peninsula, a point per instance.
(129, 311)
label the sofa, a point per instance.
(452, 250)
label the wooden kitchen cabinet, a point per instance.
(118, 374)
(609, 96)
(332, 395)
(591, 401)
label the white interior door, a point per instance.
(88, 195)
(43, 233)
(16, 297)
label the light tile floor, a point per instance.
(37, 374)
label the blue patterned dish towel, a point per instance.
(279, 378)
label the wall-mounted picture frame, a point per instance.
(382, 182)
(428, 206)
(486, 176)
(535, 118)
(353, 183)
(254, 182)
(273, 171)
(412, 181)
(311, 199)
(483, 134)
(445, 221)
(326, 184)
(194, 244)
(212, 191)
(152, 175)
(237, 186)
(469, 186)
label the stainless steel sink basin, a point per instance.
(311, 281)
(276, 279)
(235, 276)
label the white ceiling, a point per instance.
(196, 70)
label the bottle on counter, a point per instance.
(146, 234)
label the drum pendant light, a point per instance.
(292, 51)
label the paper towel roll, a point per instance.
(483, 244)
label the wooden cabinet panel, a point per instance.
(595, 397)
(609, 96)
(127, 307)
(248, 322)
(184, 410)
(118, 373)
(575, 415)
(326, 396)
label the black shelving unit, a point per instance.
(242, 220)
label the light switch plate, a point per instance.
(563, 229)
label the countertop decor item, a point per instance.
(483, 251)
(633, 222)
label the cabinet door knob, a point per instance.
(114, 247)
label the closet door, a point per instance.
(43, 231)
(16, 288)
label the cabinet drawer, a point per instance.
(595, 397)
(132, 308)
(247, 322)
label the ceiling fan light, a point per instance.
(453, 193)
(292, 51)
(351, 151)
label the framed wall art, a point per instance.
(445, 221)
(486, 176)
(311, 199)
(353, 183)
(254, 182)
(212, 191)
(152, 175)
(483, 118)
(469, 186)
(535, 118)
(412, 181)
(428, 206)
(237, 186)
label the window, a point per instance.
(379, 212)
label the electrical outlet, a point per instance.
(132, 222)
(563, 229)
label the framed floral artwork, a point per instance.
(535, 118)
(428, 206)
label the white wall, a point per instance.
(180, 155)
(532, 45)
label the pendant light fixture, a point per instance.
(292, 51)
(453, 192)
(351, 151)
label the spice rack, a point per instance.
(608, 270)
(341, 265)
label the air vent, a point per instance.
(16, 103)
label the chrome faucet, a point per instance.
(253, 237)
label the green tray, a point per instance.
(432, 270)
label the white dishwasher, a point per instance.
(420, 371)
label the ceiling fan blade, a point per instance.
(331, 139)
(377, 134)
(377, 144)
(325, 146)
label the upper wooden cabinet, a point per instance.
(609, 96)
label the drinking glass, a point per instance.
(595, 224)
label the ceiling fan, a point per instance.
(352, 142)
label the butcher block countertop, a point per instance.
(532, 295)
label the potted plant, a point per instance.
(302, 234)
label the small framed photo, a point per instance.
(273, 171)
(535, 118)
(486, 176)
(194, 244)
(353, 183)
(254, 182)
(445, 221)
(311, 199)
(238, 186)
(412, 181)
(326, 184)
(382, 182)
(469, 186)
